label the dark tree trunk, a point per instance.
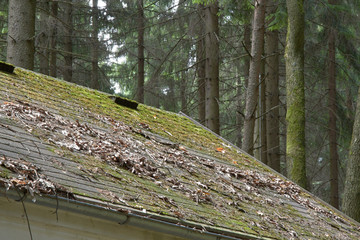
(21, 33)
(247, 45)
(334, 185)
(200, 66)
(272, 95)
(240, 99)
(95, 84)
(239, 110)
(68, 47)
(141, 59)
(184, 107)
(212, 119)
(43, 37)
(262, 117)
(52, 38)
(257, 46)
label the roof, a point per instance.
(58, 138)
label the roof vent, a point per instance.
(125, 102)
(6, 67)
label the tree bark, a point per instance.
(52, 38)
(259, 134)
(212, 119)
(43, 37)
(240, 105)
(255, 68)
(95, 84)
(183, 96)
(68, 48)
(239, 110)
(21, 33)
(295, 94)
(200, 66)
(141, 58)
(351, 204)
(247, 45)
(262, 117)
(334, 185)
(272, 95)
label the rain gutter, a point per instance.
(123, 215)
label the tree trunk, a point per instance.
(183, 96)
(351, 204)
(141, 59)
(43, 37)
(246, 67)
(334, 187)
(260, 123)
(272, 95)
(171, 95)
(247, 45)
(52, 38)
(295, 95)
(21, 33)
(200, 66)
(239, 110)
(95, 84)
(68, 30)
(212, 120)
(255, 68)
(262, 117)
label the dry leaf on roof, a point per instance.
(30, 179)
(220, 149)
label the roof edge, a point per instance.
(132, 217)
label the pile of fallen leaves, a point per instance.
(27, 178)
(113, 148)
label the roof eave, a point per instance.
(122, 215)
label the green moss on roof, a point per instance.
(185, 178)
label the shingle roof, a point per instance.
(60, 138)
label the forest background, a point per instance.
(224, 63)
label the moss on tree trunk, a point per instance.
(351, 203)
(295, 94)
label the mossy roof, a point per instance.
(61, 138)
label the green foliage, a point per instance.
(278, 20)
(205, 2)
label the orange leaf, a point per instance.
(8, 103)
(220, 149)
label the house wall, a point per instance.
(46, 224)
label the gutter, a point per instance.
(123, 215)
